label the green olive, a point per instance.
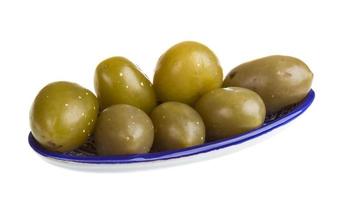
(230, 111)
(185, 72)
(123, 129)
(279, 80)
(119, 81)
(177, 126)
(63, 116)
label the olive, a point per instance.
(123, 129)
(279, 80)
(119, 81)
(185, 72)
(63, 116)
(230, 111)
(177, 126)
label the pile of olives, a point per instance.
(187, 104)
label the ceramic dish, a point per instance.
(86, 154)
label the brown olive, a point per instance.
(279, 80)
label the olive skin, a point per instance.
(279, 80)
(177, 126)
(185, 72)
(119, 81)
(63, 115)
(228, 112)
(123, 129)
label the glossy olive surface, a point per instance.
(279, 80)
(177, 126)
(123, 129)
(230, 111)
(119, 81)
(63, 116)
(185, 72)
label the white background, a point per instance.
(45, 41)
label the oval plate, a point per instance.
(86, 154)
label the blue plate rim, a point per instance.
(136, 158)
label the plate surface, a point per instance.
(86, 153)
